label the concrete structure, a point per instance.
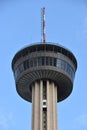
(44, 75)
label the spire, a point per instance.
(43, 25)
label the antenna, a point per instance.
(43, 25)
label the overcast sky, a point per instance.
(20, 25)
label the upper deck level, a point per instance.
(47, 47)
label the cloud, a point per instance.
(80, 122)
(5, 120)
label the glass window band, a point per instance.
(45, 61)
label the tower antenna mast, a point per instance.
(43, 25)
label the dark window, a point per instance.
(31, 63)
(43, 60)
(35, 62)
(21, 68)
(55, 62)
(47, 60)
(51, 61)
(44, 90)
(39, 61)
(26, 64)
(44, 118)
(44, 103)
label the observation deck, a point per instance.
(47, 61)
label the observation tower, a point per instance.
(44, 75)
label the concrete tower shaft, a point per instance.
(44, 105)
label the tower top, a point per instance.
(43, 25)
(44, 62)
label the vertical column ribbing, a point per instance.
(41, 98)
(51, 106)
(56, 114)
(44, 117)
(54, 107)
(36, 106)
(48, 104)
(33, 90)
